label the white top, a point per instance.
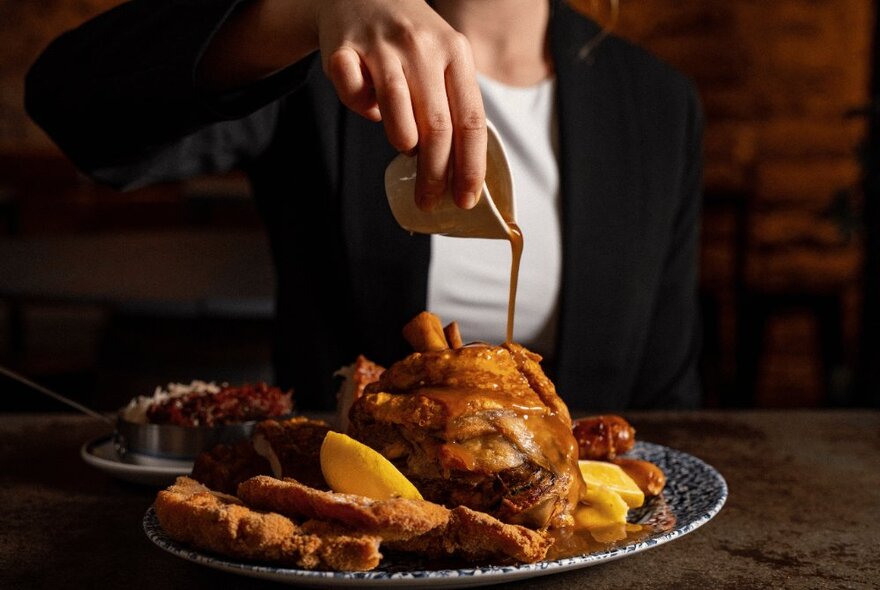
(469, 278)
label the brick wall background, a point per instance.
(781, 244)
(781, 250)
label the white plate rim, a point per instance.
(119, 467)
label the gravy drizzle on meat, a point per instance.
(479, 426)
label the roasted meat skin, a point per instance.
(285, 448)
(293, 448)
(479, 426)
(223, 467)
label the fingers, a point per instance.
(434, 123)
(395, 102)
(353, 83)
(376, 88)
(469, 129)
(451, 123)
(401, 64)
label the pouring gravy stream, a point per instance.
(515, 236)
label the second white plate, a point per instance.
(141, 469)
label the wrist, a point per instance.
(258, 39)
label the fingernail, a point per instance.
(468, 200)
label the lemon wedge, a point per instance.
(351, 467)
(610, 476)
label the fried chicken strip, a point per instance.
(192, 514)
(394, 519)
(477, 536)
(406, 525)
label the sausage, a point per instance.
(602, 438)
(647, 476)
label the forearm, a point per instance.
(125, 76)
(150, 72)
(118, 94)
(260, 38)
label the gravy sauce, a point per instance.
(516, 248)
(571, 542)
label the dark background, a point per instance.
(790, 313)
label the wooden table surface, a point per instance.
(802, 513)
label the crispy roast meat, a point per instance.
(293, 448)
(477, 426)
(283, 448)
(225, 466)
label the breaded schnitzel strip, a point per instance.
(478, 536)
(394, 519)
(443, 532)
(191, 513)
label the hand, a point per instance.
(399, 62)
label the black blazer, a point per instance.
(118, 96)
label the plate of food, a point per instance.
(156, 438)
(456, 466)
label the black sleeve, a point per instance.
(669, 375)
(118, 95)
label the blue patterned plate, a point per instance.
(694, 493)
